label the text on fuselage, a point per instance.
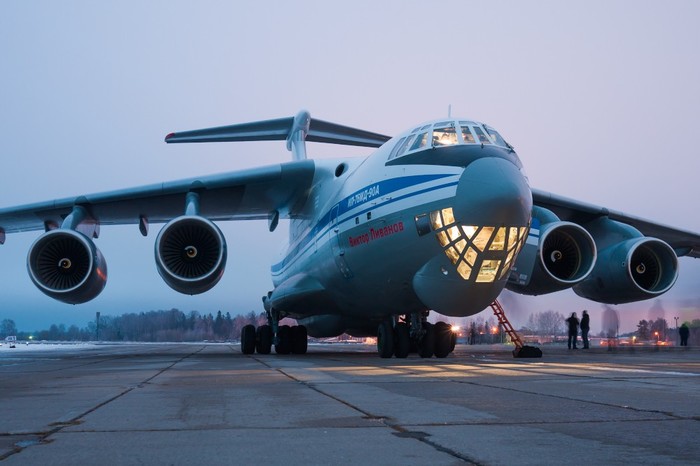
(363, 196)
(375, 233)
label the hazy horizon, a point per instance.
(599, 99)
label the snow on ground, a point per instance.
(23, 346)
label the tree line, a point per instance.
(174, 326)
(153, 326)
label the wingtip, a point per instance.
(168, 136)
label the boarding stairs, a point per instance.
(520, 351)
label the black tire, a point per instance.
(385, 340)
(443, 339)
(426, 345)
(300, 340)
(263, 342)
(402, 340)
(284, 340)
(248, 339)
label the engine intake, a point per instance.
(564, 255)
(67, 266)
(635, 269)
(190, 254)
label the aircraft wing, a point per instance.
(685, 243)
(239, 195)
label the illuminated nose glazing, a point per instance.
(482, 253)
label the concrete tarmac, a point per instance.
(341, 404)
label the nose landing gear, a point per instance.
(399, 337)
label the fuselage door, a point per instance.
(336, 247)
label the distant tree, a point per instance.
(219, 329)
(550, 323)
(546, 323)
(661, 326)
(7, 328)
(643, 330)
(472, 333)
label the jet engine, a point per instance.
(190, 254)
(632, 270)
(563, 256)
(65, 265)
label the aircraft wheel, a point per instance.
(248, 339)
(385, 340)
(263, 343)
(426, 345)
(443, 339)
(402, 340)
(284, 340)
(299, 339)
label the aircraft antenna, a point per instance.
(449, 111)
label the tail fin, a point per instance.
(295, 130)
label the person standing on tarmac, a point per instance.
(573, 330)
(684, 332)
(585, 327)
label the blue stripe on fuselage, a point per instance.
(357, 200)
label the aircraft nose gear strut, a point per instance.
(413, 333)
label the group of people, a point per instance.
(574, 324)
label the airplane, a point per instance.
(438, 218)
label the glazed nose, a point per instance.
(493, 191)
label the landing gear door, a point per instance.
(336, 247)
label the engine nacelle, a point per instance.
(563, 256)
(190, 254)
(633, 270)
(67, 266)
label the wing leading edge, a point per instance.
(685, 243)
(240, 195)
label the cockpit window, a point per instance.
(401, 146)
(397, 148)
(448, 133)
(467, 136)
(481, 136)
(420, 142)
(444, 134)
(496, 137)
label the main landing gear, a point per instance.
(398, 338)
(289, 339)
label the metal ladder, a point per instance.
(503, 320)
(520, 351)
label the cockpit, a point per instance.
(446, 134)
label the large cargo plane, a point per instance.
(440, 217)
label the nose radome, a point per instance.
(493, 191)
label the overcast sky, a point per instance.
(599, 98)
